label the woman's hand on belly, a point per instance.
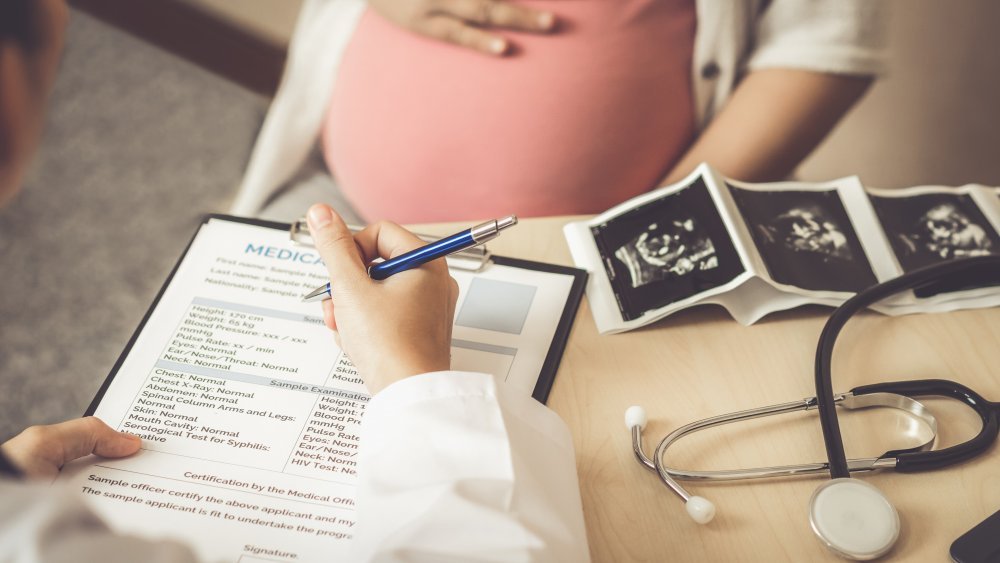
(465, 22)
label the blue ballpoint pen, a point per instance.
(437, 249)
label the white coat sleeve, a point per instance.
(43, 524)
(454, 467)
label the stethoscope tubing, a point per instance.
(978, 268)
(853, 400)
(842, 506)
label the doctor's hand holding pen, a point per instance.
(390, 329)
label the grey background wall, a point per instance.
(936, 118)
(139, 144)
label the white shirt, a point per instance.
(452, 467)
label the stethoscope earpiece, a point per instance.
(635, 416)
(853, 519)
(700, 509)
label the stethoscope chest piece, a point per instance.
(853, 519)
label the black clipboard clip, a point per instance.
(471, 259)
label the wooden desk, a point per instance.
(701, 363)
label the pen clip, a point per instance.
(471, 259)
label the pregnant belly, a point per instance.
(572, 122)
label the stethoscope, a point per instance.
(851, 517)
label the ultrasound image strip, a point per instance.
(805, 238)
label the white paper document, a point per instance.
(249, 412)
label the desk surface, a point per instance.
(700, 363)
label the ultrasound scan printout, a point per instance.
(667, 250)
(933, 227)
(929, 228)
(805, 238)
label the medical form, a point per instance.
(248, 410)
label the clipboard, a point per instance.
(475, 260)
(240, 393)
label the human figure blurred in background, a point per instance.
(435, 110)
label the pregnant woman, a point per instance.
(436, 110)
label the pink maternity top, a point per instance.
(573, 122)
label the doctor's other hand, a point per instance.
(465, 22)
(40, 451)
(390, 329)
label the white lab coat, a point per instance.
(453, 467)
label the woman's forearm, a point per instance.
(774, 119)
